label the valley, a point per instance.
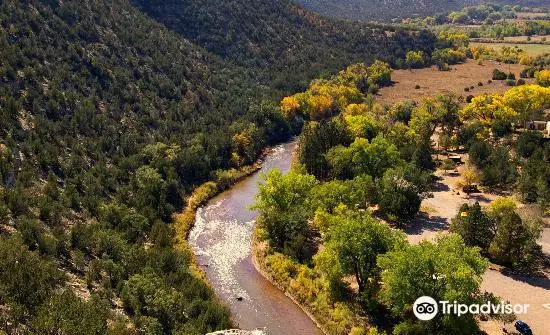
(272, 167)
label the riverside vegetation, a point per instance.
(329, 230)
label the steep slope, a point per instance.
(107, 119)
(389, 9)
(288, 44)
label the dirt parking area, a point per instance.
(433, 82)
(436, 217)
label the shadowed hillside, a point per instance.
(288, 44)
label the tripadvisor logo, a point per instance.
(426, 308)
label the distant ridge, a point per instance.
(389, 9)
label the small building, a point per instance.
(543, 126)
(456, 159)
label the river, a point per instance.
(221, 240)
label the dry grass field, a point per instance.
(433, 82)
(532, 49)
(536, 38)
(530, 16)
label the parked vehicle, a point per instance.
(523, 328)
(470, 189)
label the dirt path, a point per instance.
(438, 213)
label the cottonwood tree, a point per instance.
(446, 269)
(399, 197)
(284, 206)
(355, 240)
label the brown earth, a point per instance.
(433, 82)
(438, 211)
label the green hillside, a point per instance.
(107, 119)
(289, 45)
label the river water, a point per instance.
(221, 241)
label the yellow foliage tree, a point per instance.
(290, 106)
(356, 109)
(487, 109)
(526, 99)
(543, 78)
(319, 106)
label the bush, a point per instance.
(479, 153)
(466, 89)
(528, 142)
(399, 198)
(511, 76)
(501, 128)
(469, 98)
(499, 75)
(520, 82)
(510, 82)
(480, 84)
(416, 87)
(543, 78)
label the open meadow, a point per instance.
(433, 82)
(533, 49)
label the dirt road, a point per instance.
(438, 213)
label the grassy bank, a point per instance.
(185, 220)
(309, 290)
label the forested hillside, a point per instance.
(107, 120)
(288, 44)
(389, 9)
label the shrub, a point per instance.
(528, 142)
(469, 98)
(480, 84)
(466, 89)
(416, 87)
(510, 82)
(489, 81)
(520, 82)
(498, 75)
(543, 78)
(511, 76)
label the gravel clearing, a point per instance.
(517, 290)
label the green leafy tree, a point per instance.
(315, 141)
(515, 240)
(364, 157)
(399, 197)
(284, 206)
(356, 193)
(356, 240)
(26, 280)
(422, 158)
(474, 226)
(500, 170)
(446, 269)
(528, 142)
(68, 314)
